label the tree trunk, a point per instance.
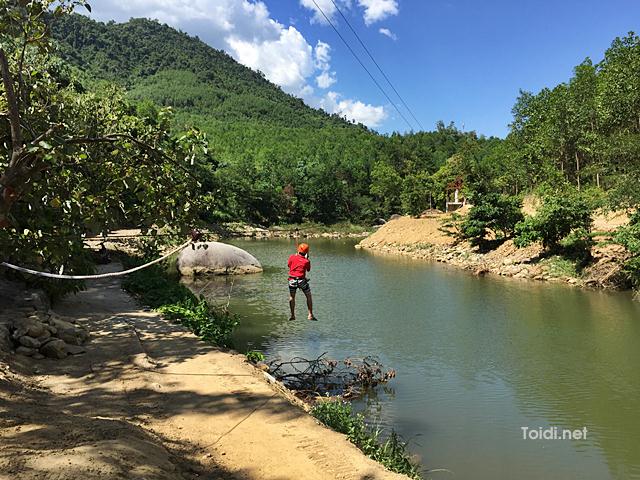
(14, 113)
(8, 193)
(577, 169)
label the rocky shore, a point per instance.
(249, 231)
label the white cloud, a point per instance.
(323, 63)
(376, 10)
(326, 6)
(326, 79)
(323, 55)
(355, 110)
(388, 33)
(286, 61)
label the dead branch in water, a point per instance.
(350, 378)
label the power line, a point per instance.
(362, 64)
(377, 65)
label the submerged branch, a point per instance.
(350, 378)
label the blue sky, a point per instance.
(452, 60)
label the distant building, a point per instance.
(454, 187)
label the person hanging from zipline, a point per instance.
(299, 265)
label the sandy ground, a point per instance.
(410, 231)
(150, 401)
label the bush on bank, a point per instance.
(558, 217)
(629, 237)
(392, 452)
(494, 213)
(155, 287)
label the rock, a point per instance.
(28, 326)
(26, 351)
(44, 342)
(67, 331)
(6, 345)
(217, 259)
(29, 342)
(481, 271)
(74, 336)
(55, 349)
(75, 350)
(44, 337)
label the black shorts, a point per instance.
(301, 283)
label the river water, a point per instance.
(477, 359)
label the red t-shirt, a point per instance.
(298, 266)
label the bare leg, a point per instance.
(309, 304)
(292, 305)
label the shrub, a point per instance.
(213, 325)
(629, 237)
(155, 287)
(392, 452)
(494, 213)
(526, 232)
(577, 245)
(556, 219)
(254, 356)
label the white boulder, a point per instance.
(215, 258)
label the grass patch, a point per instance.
(560, 266)
(391, 452)
(161, 290)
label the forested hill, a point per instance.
(159, 63)
(278, 160)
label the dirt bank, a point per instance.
(149, 400)
(428, 238)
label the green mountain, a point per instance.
(159, 63)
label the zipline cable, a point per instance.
(377, 65)
(95, 277)
(363, 65)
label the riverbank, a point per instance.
(302, 230)
(150, 400)
(430, 238)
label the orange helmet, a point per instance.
(303, 248)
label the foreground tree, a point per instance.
(75, 163)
